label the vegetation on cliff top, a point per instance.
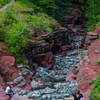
(92, 14)
(23, 18)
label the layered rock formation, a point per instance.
(61, 40)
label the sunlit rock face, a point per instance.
(7, 64)
(7, 68)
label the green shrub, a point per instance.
(55, 8)
(95, 93)
(15, 40)
(92, 14)
(40, 21)
(91, 82)
(98, 62)
(95, 96)
(3, 2)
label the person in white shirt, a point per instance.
(9, 90)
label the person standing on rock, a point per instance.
(9, 91)
(77, 96)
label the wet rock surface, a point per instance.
(51, 84)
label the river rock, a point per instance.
(20, 66)
(86, 58)
(18, 79)
(97, 51)
(34, 94)
(7, 69)
(24, 72)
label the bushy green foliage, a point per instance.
(3, 2)
(98, 62)
(40, 21)
(55, 8)
(95, 93)
(93, 14)
(11, 34)
(91, 82)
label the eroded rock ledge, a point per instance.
(62, 40)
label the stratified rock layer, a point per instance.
(62, 39)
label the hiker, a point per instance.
(77, 95)
(9, 91)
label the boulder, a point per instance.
(8, 60)
(92, 35)
(7, 69)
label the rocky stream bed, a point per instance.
(51, 84)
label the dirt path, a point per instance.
(5, 6)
